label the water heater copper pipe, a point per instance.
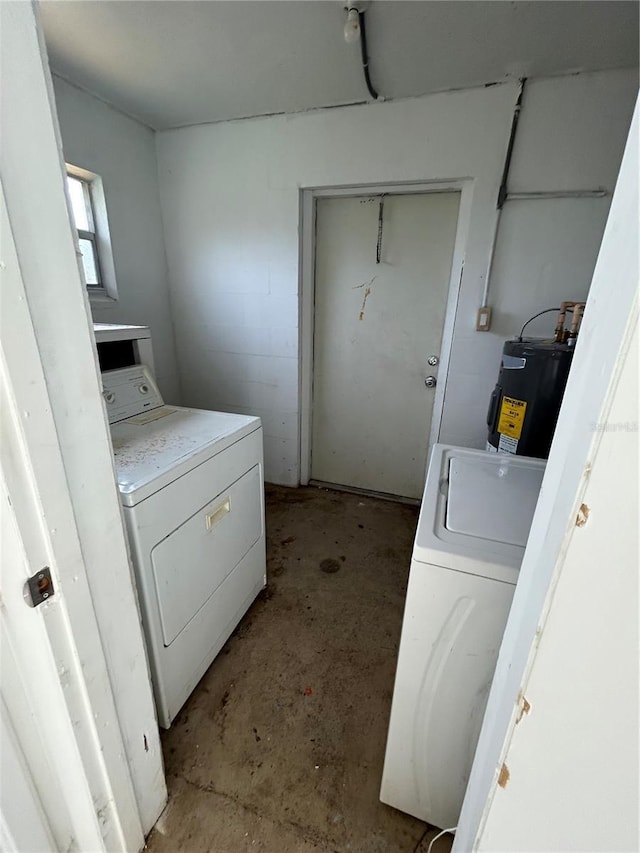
(577, 316)
(561, 335)
(578, 311)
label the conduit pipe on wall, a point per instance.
(355, 30)
(485, 324)
(365, 57)
(548, 194)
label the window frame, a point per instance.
(93, 189)
(90, 235)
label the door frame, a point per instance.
(306, 320)
(84, 670)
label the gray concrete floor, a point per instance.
(280, 747)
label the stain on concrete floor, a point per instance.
(280, 747)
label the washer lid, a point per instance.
(492, 499)
(476, 511)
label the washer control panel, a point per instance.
(129, 391)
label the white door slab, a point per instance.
(86, 728)
(376, 325)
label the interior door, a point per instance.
(381, 286)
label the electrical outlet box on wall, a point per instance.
(483, 320)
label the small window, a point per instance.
(80, 192)
(90, 218)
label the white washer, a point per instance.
(192, 490)
(472, 531)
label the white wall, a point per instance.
(571, 136)
(230, 202)
(122, 151)
(580, 745)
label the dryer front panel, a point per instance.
(191, 563)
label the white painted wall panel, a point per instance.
(122, 152)
(570, 130)
(237, 185)
(570, 136)
(230, 202)
(545, 253)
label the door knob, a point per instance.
(430, 381)
(433, 360)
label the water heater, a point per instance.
(524, 405)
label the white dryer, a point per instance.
(472, 531)
(192, 490)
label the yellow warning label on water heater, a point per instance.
(512, 417)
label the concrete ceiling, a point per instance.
(172, 63)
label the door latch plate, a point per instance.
(41, 586)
